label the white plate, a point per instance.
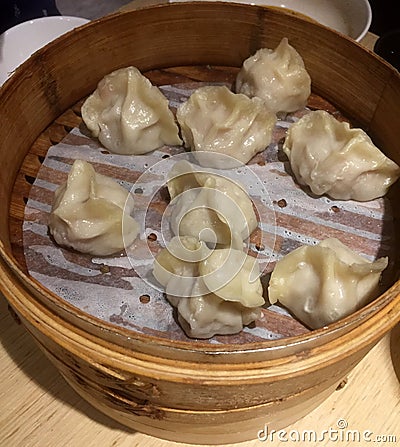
(350, 17)
(22, 40)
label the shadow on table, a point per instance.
(395, 350)
(23, 350)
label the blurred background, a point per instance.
(13, 12)
(90, 9)
(385, 15)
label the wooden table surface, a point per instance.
(38, 409)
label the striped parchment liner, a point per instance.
(120, 289)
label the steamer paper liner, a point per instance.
(110, 289)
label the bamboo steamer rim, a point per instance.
(358, 330)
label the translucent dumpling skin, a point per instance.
(322, 283)
(211, 207)
(233, 276)
(91, 213)
(334, 159)
(208, 315)
(277, 76)
(129, 115)
(215, 292)
(216, 121)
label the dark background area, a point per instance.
(385, 15)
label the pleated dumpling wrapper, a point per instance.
(215, 292)
(224, 129)
(208, 206)
(322, 283)
(129, 115)
(334, 159)
(91, 213)
(278, 76)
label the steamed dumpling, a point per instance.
(207, 315)
(233, 276)
(228, 273)
(212, 296)
(129, 115)
(225, 129)
(176, 266)
(333, 159)
(322, 283)
(91, 213)
(210, 207)
(277, 76)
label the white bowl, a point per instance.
(22, 40)
(349, 17)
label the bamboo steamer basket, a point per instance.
(187, 391)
